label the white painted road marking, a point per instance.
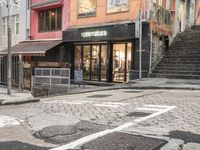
(94, 136)
(98, 104)
(8, 121)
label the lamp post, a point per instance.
(9, 57)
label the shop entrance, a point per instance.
(121, 61)
(92, 59)
(99, 63)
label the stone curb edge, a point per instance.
(23, 101)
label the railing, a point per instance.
(157, 56)
(51, 78)
(159, 14)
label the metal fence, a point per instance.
(54, 79)
(15, 70)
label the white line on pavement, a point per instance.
(157, 106)
(94, 136)
(106, 105)
(147, 109)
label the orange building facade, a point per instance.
(103, 37)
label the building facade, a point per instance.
(103, 37)
(20, 23)
(20, 27)
(99, 37)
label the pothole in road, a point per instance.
(100, 96)
(65, 134)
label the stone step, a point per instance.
(181, 54)
(179, 65)
(182, 60)
(177, 68)
(177, 72)
(176, 62)
(175, 76)
(181, 57)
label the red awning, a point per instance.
(47, 4)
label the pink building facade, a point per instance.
(37, 6)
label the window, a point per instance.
(4, 26)
(86, 8)
(50, 20)
(16, 24)
(114, 6)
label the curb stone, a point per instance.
(17, 102)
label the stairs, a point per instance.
(182, 60)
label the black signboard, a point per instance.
(78, 75)
(102, 33)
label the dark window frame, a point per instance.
(44, 17)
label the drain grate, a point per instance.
(99, 96)
(138, 114)
(124, 141)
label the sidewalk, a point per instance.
(162, 83)
(15, 97)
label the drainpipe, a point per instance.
(151, 44)
(140, 45)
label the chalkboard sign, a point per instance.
(78, 75)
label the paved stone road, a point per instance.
(112, 108)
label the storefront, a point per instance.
(104, 53)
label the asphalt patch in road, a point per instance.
(138, 114)
(17, 145)
(100, 96)
(124, 141)
(62, 134)
(187, 137)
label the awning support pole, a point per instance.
(21, 74)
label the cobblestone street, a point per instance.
(179, 127)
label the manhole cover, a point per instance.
(124, 141)
(99, 96)
(132, 91)
(138, 114)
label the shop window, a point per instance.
(114, 6)
(50, 20)
(86, 8)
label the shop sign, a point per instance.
(114, 6)
(94, 34)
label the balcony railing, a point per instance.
(160, 14)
